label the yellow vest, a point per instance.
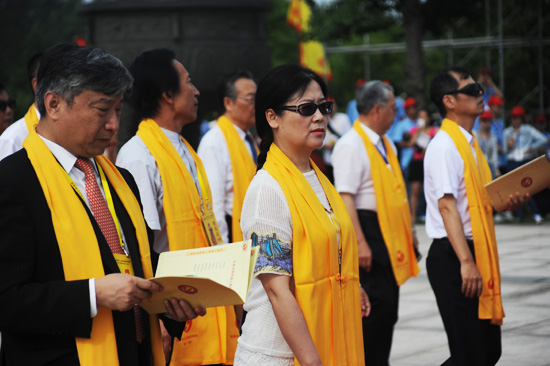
(483, 228)
(68, 213)
(213, 338)
(244, 169)
(327, 295)
(392, 205)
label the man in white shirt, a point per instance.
(453, 271)
(355, 166)
(237, 92)
(175, 190)
(12, 138)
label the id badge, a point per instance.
(211, 228)
(124, 263)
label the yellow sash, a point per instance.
(213, 338)
(483, 228)
(68, 213)
(31, 119)
(327, 296)
(244, 169)
(394, 215)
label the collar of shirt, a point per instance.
(373, 136)
(469, 136)
(241, 133)
(64, 157)
(174, 137)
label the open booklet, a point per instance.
(530, 178)
(205, 277)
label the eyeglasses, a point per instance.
(4, 105)
(247, 99)
(308, 109)
(473, 90)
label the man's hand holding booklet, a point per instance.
(205, 277)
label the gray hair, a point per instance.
(68, 70)
(372, 93)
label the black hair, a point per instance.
(32, 68)
(154, 74)
(68, 69)
(280, 85)
(444, 83)
(226, 85)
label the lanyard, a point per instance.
(202, 183)
(109, 199)
(384, 154)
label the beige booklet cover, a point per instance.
(530, 178)
(205, 277)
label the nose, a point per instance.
(113, 121)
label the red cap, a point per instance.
(409, 102)
(518, 111)
(495, 100)
(360, 82)
(484, 70)
(540, 118)
(487, 115)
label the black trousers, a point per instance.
(381, 286)
(472, 341)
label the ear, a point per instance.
(52, 103)
(227, 103)
(168, 97)
(272, 118)
(449, 102)
(34, 82)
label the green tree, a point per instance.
(29, 27)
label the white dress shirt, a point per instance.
(352, 170)
(67, 161)
(444, 174)
(12, 139)
(214, 154)
(136, 158)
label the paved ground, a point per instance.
(524, 249)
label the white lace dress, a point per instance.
(266, 218)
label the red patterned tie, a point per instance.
(105, 221)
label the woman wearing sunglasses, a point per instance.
(304, 302)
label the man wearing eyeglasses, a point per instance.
(228, 152)
(462, 262)
(369, 179)
(7, 107)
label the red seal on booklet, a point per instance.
(526, 182)
(188, 289)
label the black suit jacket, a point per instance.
(40, 312)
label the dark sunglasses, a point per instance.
(473, 90)
(308, 109)
(4, 105)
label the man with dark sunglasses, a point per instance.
(368, 177)
(462, 262)
(7, 107)
(12, 139)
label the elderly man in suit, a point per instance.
(74, 246)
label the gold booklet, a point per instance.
(205, 277)
(530, 178)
